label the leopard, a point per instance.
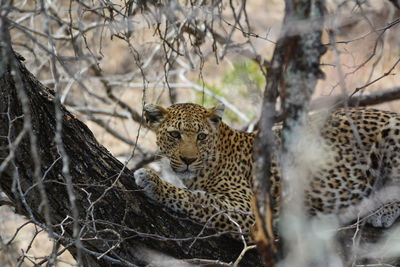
(216, 166)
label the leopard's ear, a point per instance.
(215, 114)
(154, 114)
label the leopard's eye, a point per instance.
(201, 136)
(175, 134)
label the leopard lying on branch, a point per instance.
(215, 164)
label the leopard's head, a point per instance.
(186, 134)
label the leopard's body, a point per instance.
(215, 163)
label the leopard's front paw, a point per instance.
(147, 180)
(385, 216)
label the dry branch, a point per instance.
(366, 99)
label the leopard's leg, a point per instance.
(384, 165)
(385, 155)
(216, 210)
(385, 216)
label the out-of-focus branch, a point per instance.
(300, 75)
(146, 156)
(223, 41)
(389, 72)
(396, 3)
(109, 90)
(293, 73)
(259, 59)
(97, 111)
(366, 99)
(113, 132)
(373, 55)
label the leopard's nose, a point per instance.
(188, 161)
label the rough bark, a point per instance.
(108, 212)
(263, 149)
(293, 73)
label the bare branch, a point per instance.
(366, 99)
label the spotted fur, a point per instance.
(215, 163)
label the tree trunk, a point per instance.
(75, 189)
(293, 72)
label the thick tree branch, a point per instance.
(366, 99)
